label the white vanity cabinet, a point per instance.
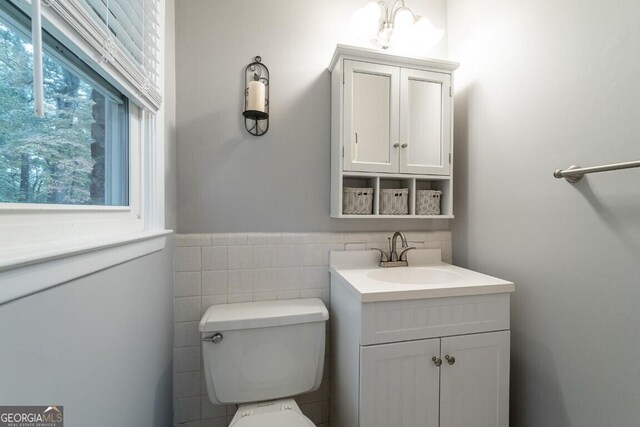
(391, 124)
(428, 362)
(401, 384)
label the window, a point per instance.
(81, 189)
(78, 154)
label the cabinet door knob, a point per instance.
(405, 145)
(450, 359)
(437, 361)
(396, 145)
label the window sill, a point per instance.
(26, 271)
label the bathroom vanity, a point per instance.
(425, 345)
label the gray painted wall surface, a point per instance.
(101, 346)
(544, 85)
(230, 181)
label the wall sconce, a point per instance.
(256, 98)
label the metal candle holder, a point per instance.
(256, 122)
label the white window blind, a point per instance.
(124, 33)
(134, 24)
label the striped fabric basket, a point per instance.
(428, 202)
(394, 201)
(357, 201)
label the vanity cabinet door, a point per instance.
(474, 389)
(399, 384)
(371, 122)
(425, 122)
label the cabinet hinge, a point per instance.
(449, 158)
(449, 91)
(343, 152)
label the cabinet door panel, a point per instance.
(399, 384)
(371, 117)
(475, 389)
(425, 122)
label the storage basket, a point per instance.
(357, 201)
(394, 201)
(428, 202)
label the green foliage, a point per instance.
(44, 160)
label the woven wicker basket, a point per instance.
(428, 202)
(394, 201)
(357, 201)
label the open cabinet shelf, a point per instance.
(392, 181)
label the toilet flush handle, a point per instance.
(216, 338)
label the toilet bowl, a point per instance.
(278, 413)
(260, 354)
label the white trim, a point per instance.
(30, 207)
(47, 269)
(362, 53)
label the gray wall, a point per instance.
(544, 85)
(101, 346)
(230, 181)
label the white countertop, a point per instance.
(356, 267)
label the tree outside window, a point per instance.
(77, 153)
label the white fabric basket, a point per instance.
(357, 201)
(394, 201)
(428, 202)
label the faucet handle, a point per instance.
(384, 257)
(403, 254)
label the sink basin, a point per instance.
(414, 275)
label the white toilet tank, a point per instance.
(263, 350)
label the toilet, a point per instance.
(259, 354)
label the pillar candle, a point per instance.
(256, 96)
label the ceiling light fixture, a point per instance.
(397, 28)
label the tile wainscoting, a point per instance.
(241, 267)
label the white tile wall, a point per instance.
(241, 267)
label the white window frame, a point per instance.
(45, 245)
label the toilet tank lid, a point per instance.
(263, 314)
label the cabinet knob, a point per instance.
(437, 361)
(396, 145)
(450, 359)
(405, 145)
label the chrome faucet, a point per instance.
(392, 259)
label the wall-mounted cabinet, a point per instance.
(391, 121)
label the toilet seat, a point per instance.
(281, 413)
(274, 419)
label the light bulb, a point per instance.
(372, 11)
(403, 20)
(365, 22)
(425, 34)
